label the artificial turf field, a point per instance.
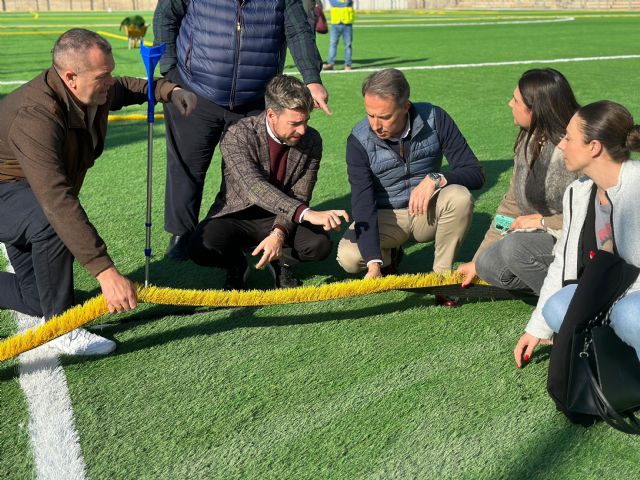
(383, 386)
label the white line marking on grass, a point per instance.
(439, 67)
(488, 64)
(54, 439)
(373, 23)
(56, 25)
(463, 24)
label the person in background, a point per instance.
(342, 17)
(598, 144)
(398, 190)
(518, 256)
(52, 129)
(270, 166)
(225, 52)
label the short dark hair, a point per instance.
(287, 92)
(612, 125)
(72, 46)
(548, 95)
(387, 83)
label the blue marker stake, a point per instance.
(150, 58)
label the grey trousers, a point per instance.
(519, 261)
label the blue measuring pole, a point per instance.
(150, 57)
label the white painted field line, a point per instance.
(442, 67)
(56, 25)
(463, 24)
(54, 439)
(362, 24)
(488, 64)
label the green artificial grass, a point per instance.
(383, 386)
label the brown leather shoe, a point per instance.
(448, 302)
(327, 66)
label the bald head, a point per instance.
(71, 50)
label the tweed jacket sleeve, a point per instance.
(246, 166)
(166, 25)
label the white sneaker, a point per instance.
(82, 342)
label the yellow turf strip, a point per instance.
(96, 307)
(134, 116)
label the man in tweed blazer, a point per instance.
(269, 168)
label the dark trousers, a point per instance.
(191, 142)
(221, 242)
(42, 284)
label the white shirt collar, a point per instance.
(270, 132)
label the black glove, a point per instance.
(184, 101)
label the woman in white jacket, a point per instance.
(598, 142)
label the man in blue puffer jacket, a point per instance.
(398, 193)
(225, 52)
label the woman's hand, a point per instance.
(527, 221)
(469, 272)
(524, 348)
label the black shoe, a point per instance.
(283, 275)
(177, 249)
(237, 277)
(396, 258)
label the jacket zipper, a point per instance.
(566, 241)
(236, 54)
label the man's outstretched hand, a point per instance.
(327, 219)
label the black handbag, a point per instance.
(603, 378)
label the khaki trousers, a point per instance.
(447, 222)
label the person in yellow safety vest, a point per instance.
(342, 16)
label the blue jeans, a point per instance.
(335, 32)
(625, 315)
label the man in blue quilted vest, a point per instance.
(399, 191)
(225, 51)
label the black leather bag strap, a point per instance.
(627, 424)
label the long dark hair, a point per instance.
(547, 93)
(612, 125)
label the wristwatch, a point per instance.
(436, 177)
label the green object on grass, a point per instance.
(135, 21)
